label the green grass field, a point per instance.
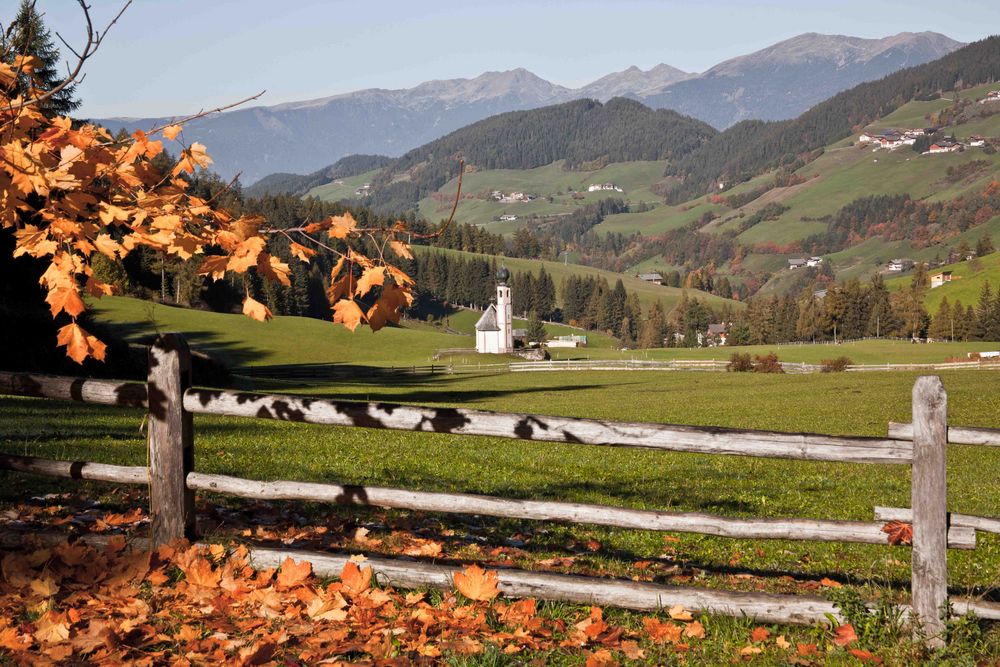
(967, 281)
(240, 341)
(553, 180)
(344, 189)
(658, 220)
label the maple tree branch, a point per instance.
(286, 234)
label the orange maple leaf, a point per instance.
(401, 249)
(199, 572)
(898, 532)
(759, 635)
(292, 573)
(356, 580)
(695, 630)
(371, 278)
(476, 583)
(844, 635)
(80, 344)
(661, 631)
(12, 640)
(65, 299)
(171, 131)
(865, 656)
(347, 312)
(256, 310)
(301, 251)
(194, 156)
(601, 658)
(678, 613)
(341, 226)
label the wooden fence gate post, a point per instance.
(929, 578)
(171, 440)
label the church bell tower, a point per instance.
(504, 312)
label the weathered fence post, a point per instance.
(929, 579)
(171, 440)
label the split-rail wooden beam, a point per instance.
(638, 596)
(546, 428)
(958, 435)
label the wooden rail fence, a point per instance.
(721, 365)
(172, 401)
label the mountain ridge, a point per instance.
(305, 136)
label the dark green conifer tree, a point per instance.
(27, 35)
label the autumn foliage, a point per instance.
(69, 193)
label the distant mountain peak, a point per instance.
(841, 49)
(634, 82)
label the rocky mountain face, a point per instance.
(778, 82)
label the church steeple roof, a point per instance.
(488, 321)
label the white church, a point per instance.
(494, 330)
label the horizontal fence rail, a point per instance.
(958, 435)
(171, 403)
(961, 535)
(719, 365)
(82, 470)
(638, 596)
(982, 523)
(460, 421)
(83, 390)
(459, 503)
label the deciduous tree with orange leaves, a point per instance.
(70, 192)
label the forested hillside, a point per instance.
(750, 147)
(579, 132)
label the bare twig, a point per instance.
(94, 39)
(203, 113)
(454, 207)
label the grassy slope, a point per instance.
(284, 340)
(966, 284)
(648, 293)
(636, 178)
(345, 190)
(863, 259)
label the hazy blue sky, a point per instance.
(175, 56)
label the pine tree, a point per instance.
(616, 305)
(536, 329)
(27, 35)
(809, 325)
(943, 324)
(985, 319)
(545, 294)
(962, 325)
(654, 328)
(984, 246)
(880, 316)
